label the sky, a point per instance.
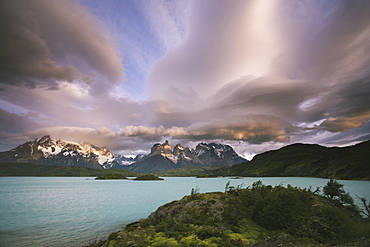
(126, 74)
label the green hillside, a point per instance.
(26, 169)
(308, 160)
(192, 171)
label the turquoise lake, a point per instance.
(65, 211)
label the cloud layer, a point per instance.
(257, 74)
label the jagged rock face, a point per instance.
(166, 149)
(156, 149)
(53, 151)
(214, 153)
(163, 149)
(121, 160)
(153, 163)
(204, 155)
(178, 150)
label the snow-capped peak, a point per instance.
(54, 146)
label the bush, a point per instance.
(280, 208)
(335, 191)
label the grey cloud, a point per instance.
(252, 128)
(324, 40)
(43, 41)
(342, 124)
(352, 136)
(343, 107)
(72, 105)
(273, 95)
(13, 123)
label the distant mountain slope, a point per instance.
(309, 160)
(27, 169)
(151, 164)
(163, 158)
(53, 151)
(193, 171)
(121, 161)
(216, 153)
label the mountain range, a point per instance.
(207, 159)
(53, 151)
(162, 157)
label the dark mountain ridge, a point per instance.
(309, 160)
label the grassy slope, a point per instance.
(26, 169)
(152, 164)
(262, 215)
(309, 161)
(192, 171)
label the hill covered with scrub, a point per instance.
(257, 216)
(304, 160)
(310, 160)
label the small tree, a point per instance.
(366, 205)
(258, 184)
(227, 187)
(335, 191)
(194, 191)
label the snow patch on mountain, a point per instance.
(53, 146)
(49, 151)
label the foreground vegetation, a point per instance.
(256, 216)
(27, 169)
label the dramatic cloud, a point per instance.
(13, 123)
(46, 41)
(341, 124)
(251, 128)
(227, 40)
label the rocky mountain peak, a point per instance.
(164, 149)
(166, 144)
(43, 140)
(178, 149)
(217, 153)
(48, 150)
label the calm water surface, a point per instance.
(39, 211)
